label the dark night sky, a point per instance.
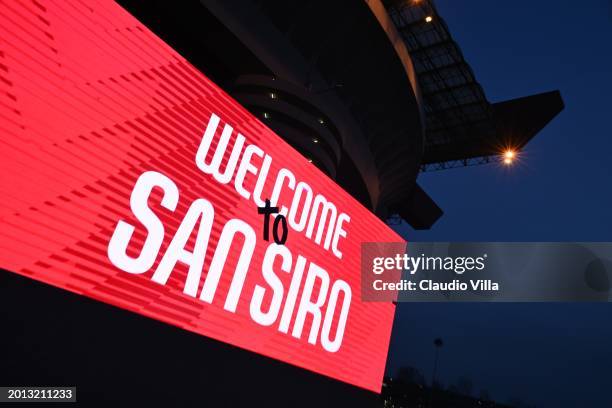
(549, 355)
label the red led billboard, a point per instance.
(130, 178)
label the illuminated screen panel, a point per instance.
(130, 178)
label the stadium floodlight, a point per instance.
(509, 156)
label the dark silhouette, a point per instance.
(465, 386)
(400, 392)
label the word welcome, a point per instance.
(307, 212)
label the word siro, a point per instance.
(411, 263)
(329, 296)
(266, 210)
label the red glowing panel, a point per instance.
(130, 178)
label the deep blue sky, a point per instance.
(550, 355)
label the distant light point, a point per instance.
(509, 156)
